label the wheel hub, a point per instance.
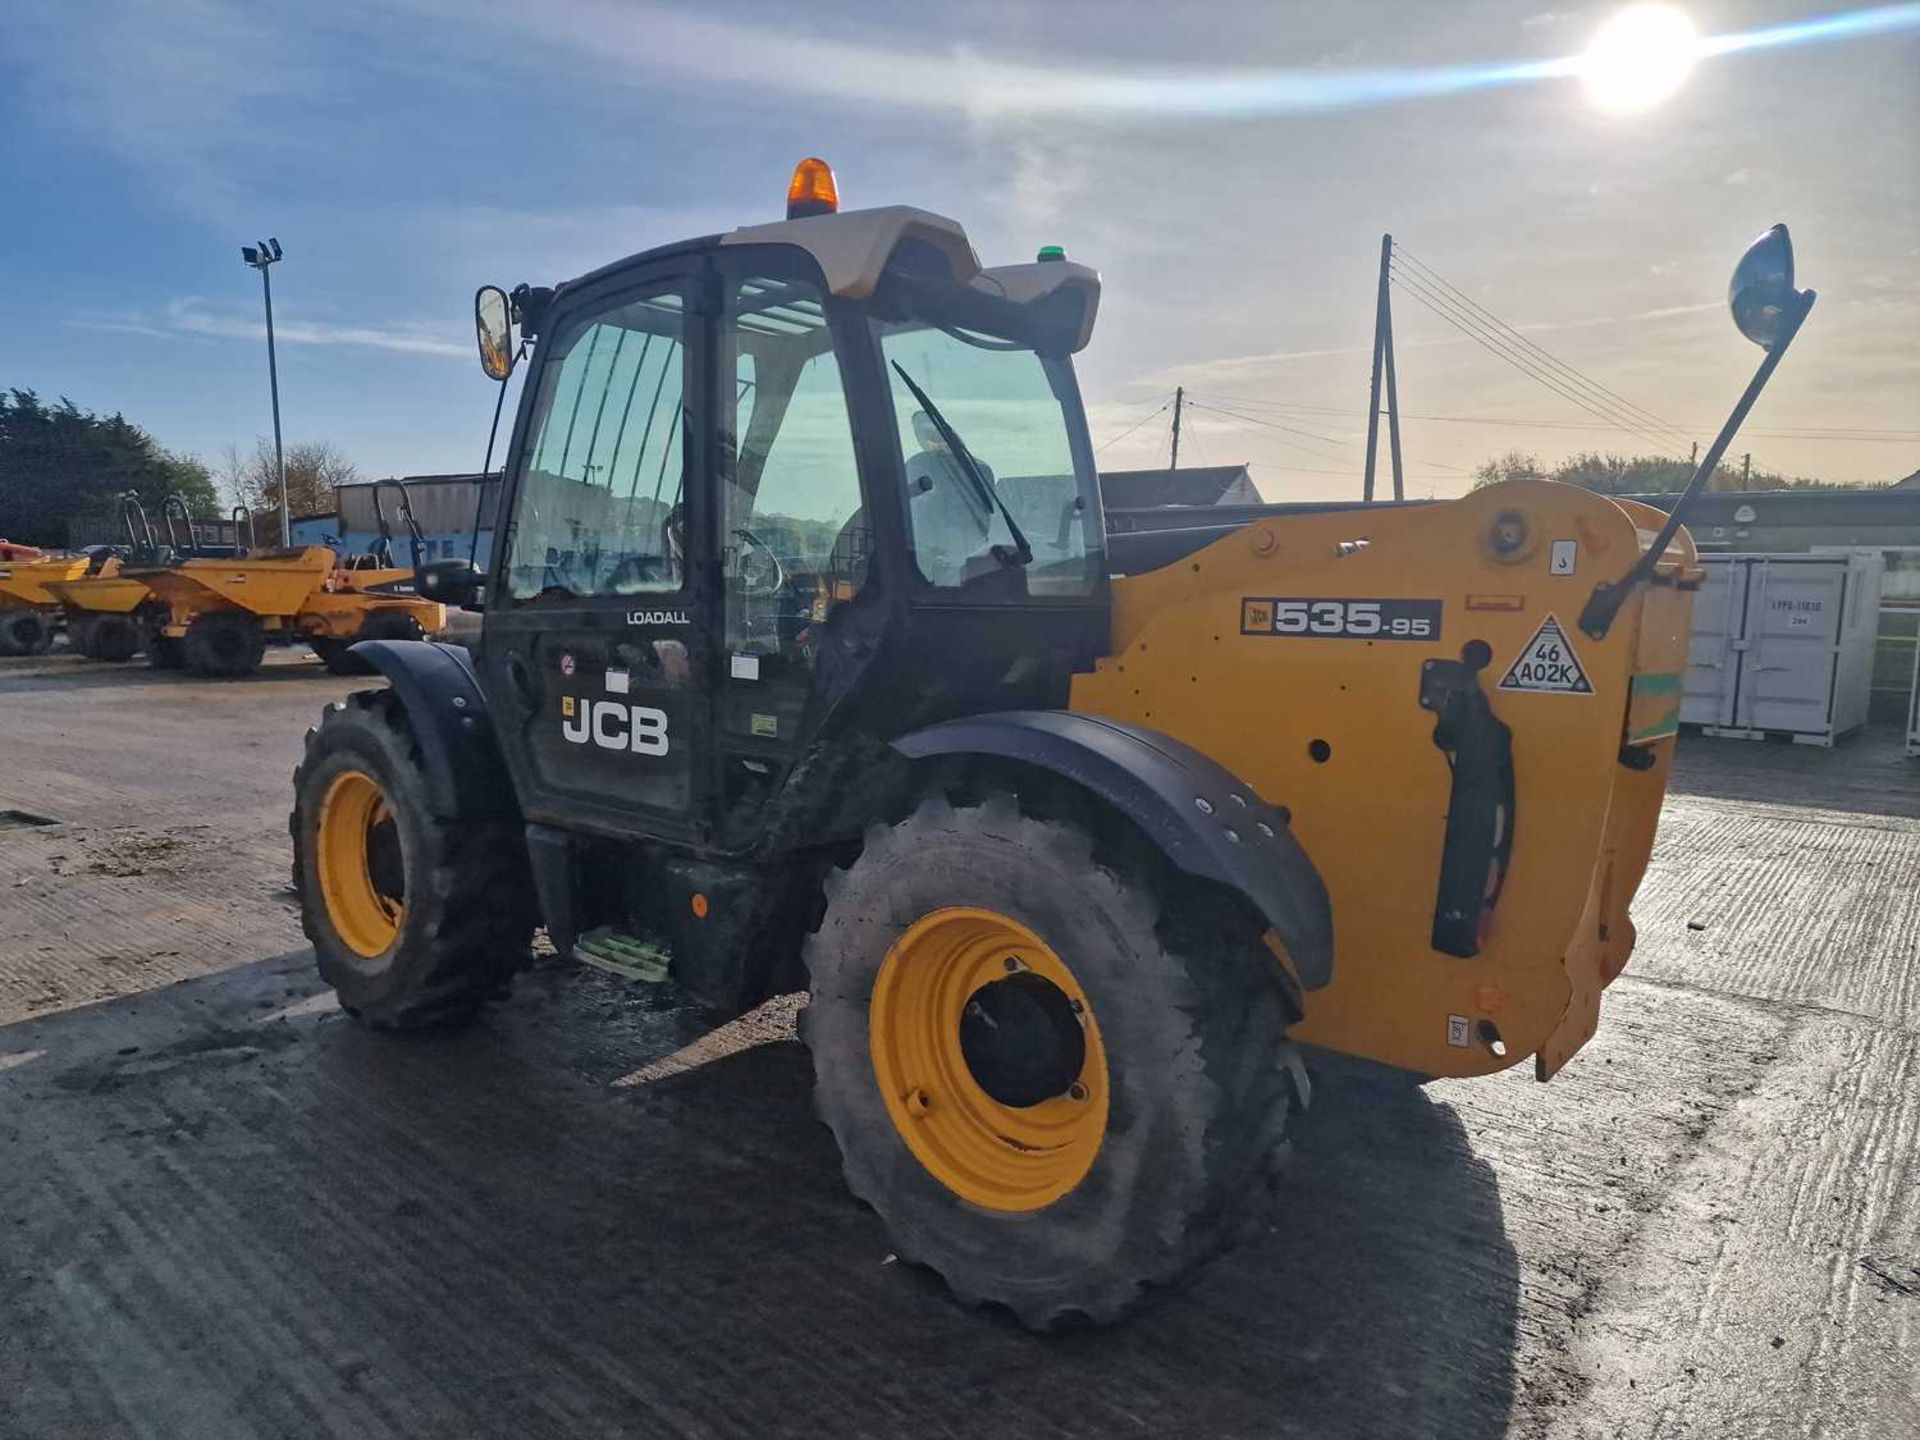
(989, 1059)
(1021, 1039)
(361, 864)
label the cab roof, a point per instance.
(853, 247)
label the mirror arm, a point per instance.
(1603, 605)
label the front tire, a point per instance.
(1133, 1122)
(415, 919)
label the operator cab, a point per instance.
(817, 475)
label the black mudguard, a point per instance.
(1204, 819)
(447, 710)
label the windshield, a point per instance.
(1017, 413)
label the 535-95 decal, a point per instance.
(1341, 619)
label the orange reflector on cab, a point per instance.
(813, 191)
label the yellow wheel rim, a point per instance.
(358, 849)
(956, 1008)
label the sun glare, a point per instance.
(1640, 57)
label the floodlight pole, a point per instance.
(260, 258)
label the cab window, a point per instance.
(1014, 411)
(795, 541)
(600, 508)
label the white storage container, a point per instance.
(1783, 645)
(1913, 705)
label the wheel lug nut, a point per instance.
(1077, 1091)
(918, 1103)
(1013, 963)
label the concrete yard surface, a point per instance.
(226, 1210)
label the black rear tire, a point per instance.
(25, 632)
(1192, 1017)
(335, 655)
(469, 911)
(224, 644)
(391, 625)
(113, 638)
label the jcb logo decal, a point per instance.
(614, 725)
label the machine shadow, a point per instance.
(481, 1234)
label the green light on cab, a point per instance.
(1052, 252)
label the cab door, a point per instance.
(593, 660)
(799, 567)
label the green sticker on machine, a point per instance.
(768, 725)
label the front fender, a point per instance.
(447, 710)
(1203, 818)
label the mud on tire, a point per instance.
(1192, 1018)
(468, 916)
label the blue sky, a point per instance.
(404, 152)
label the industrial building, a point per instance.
(445, 506)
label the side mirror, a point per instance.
(451, 582)
(493, 325)
(1762, 296)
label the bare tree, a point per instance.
(314, 469)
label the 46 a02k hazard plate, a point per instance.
(1341, 619)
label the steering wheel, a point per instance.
(760, 570)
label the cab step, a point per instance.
(608, 949)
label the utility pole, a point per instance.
(1694, 458)
(1746, 471)
(1383, 364)
(1179, 401)
(260, 256)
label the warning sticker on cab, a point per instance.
(1548, 663)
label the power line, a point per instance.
(1131, 428)
(1304, 469)
(1233, 413)
(1542, 355)
(1215, 404)
(1274, 425)
(1807, 432)
(1491, 342)
(1496, 345)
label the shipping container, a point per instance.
(1913, 708)
(1783, 645)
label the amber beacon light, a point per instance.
(812, 191)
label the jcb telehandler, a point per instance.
(807, 661)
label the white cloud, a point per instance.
(194, 319)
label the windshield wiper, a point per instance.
(1022, 552)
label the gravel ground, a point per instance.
(226, 1211)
